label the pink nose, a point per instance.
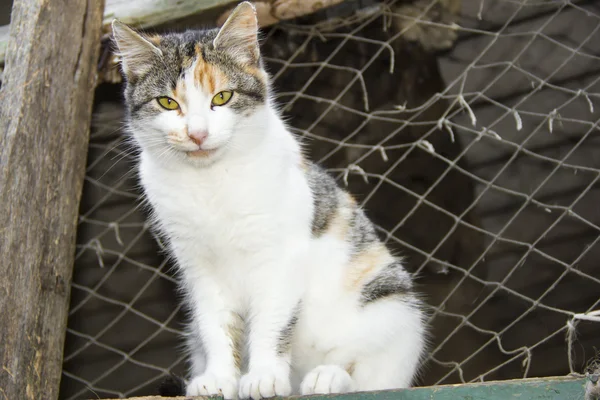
(198, 136)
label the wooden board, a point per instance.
(525, 389)
(45, 109)
(139, 13)
(149, 13)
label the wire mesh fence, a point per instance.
(469, 134)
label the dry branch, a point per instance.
(45, 108)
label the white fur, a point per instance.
(327, 379)
(239, 224)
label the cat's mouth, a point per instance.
(201, 153)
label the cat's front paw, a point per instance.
(210, 384)
(265, 382)
(327, 379)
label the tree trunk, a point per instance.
(45, 108)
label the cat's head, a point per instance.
(194, 95)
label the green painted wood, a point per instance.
(519, 389)
(522, 389)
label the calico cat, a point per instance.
(285, 278)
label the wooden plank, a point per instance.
(530, 389)
(149, 13)
(45, 109)
(140, 13)
(146, 13)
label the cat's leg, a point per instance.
(393, 333)
(271, 325)
(380, 349)
(214, 342)
(396, 365)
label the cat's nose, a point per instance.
(198, 137)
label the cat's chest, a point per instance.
(218, 212)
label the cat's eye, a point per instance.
(167, 103)
(222, 98)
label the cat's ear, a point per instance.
(239, 34)
(136, 52)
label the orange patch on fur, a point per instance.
(340, 223)
(303, 164)
(154, 39)
(350, 368)
(179, 94)
(235, 332)
(208, 76)
(257, 72)
(363, 266)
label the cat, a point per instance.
(284, 275)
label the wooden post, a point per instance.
(45, 107)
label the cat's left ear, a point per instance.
(239, 34)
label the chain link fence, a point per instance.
(469, 134)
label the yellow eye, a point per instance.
(222, 98)
(167, 103)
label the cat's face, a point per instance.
(196, 94)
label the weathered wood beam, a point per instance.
(140, 13)
(149, 13)
(45, 108)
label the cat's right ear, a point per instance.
(136, 52)
(239, 34)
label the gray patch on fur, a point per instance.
(326, 197)
(392, 280)
(178, 53)
(285, 337)
(325, 194)
(362, 232)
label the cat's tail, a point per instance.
(172, 386)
